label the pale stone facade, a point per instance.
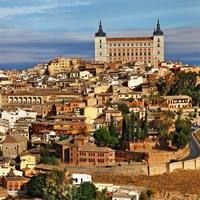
(62, 64)
(148, 50)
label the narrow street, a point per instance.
(194, 147)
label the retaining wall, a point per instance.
(189, 164)
(175, 165)
(198, 163)
(193, 164)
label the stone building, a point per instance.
(62, 64)
(13, 146)
(149, 50)
(173, 103)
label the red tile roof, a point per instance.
(130, 39)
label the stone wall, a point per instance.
(189, 164)
(157, 169)
(121, 156)
(158, 157)
(174, 166)
(193, 164)
(198, 163)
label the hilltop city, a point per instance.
(123, 126)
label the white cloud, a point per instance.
(27, 46)
(38, 9)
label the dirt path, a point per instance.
(185, 182)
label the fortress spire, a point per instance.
(100, 32)
(158, 30)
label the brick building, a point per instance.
(83, 153)
(15, 184)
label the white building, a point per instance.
(85, 75)
(4, 126)
(125, 195)
(12, 117)
(135, 81)
(5, 170)
(120, 192)
(81, 178)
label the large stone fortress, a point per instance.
(149, 50)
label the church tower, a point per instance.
(100, 45)
(158, 45)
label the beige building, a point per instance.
(173, 103)
(62, 64)
(148, 50)
(13, 146)
(35, 97)
(27, 161)
(92, 113)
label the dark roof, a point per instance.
(158, 30)
(100, 32)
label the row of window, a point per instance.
(92, 160)
(132, 49)
(100, 46)
(116, 60)
(91, 154)
(129, 44)
(131, 54)
(181, 101)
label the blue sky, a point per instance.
(34, 31)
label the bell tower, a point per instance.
(100, 45)
(158, 45)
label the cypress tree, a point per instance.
(112, 129)
(138, 135)
(146, 125)
(125, 129)
(132, 125)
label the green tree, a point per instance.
(183, 125)
(36, 186)
(181, 136)
(57, 185)
(123, 108)
(146, 125)
(102, 137)
(125, 129)
(102, 195)
(112, 128)
(138, 133)
(47, 158)
(143, 196)
(63, 137)
(132, 126)
(86, 191)
(185, 84)
(1, 153)
(179, 139)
